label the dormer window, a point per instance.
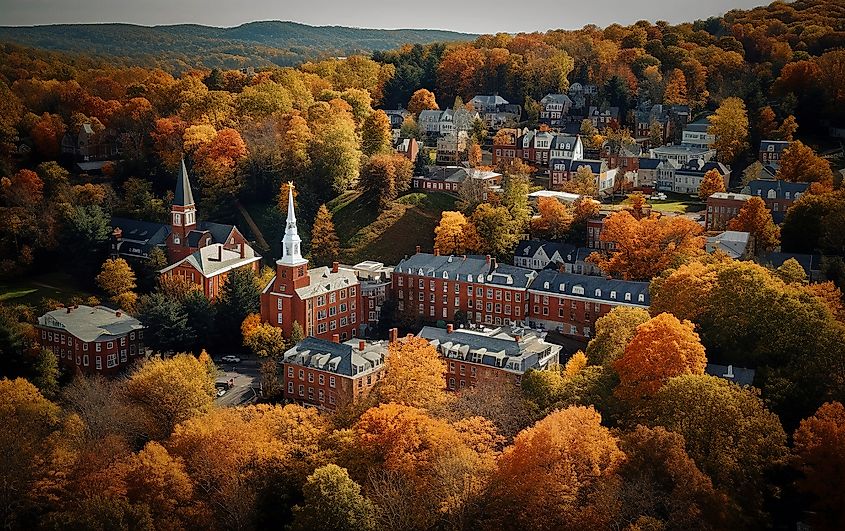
(641, 297)
(577, 290)
(598, 293)
(627, 296)
(613, 295)
(445, 274)
(563, 288)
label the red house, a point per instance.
(209, 266)
(91, 340)
(324, 301)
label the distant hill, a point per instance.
(182, 46)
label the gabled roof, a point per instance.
(345, 359)
(776, 146)
(556, 98)
(761, 187)
(213, 260)
(591, 287)
(183, 195)
(323, 281)
(565, 142)
(732, 243)
(699, 167)
(508, 275)
(489, 101)
(88, 323)
(434, 266)
(647, 163)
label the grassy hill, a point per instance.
(255, 44)
(366, 234)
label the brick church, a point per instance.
(185, 235)
(325, 301)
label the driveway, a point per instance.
(246, 377)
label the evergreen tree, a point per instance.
(166, 322)
(200, 314)
(239, 297)
(325, 245)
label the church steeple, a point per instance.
(182, 195)
(291, 243)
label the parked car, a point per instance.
(230, 359)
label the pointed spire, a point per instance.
(183, 195)
(291, 243)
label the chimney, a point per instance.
(335, 267)
(117, 313)
(730, 373)
(436, 251)
(117, 233)
(362, 345)
(418, 249)
(68, 309)
(393, 335)
(488, 258)
(243, 249)
(493, 261)
(450, 328)
(335, 338)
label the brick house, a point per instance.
(324, 301)
(209, 266)
(450, 178)
(771, 151)
(502, 354)
(554, 109)
(376, 288)
(505, 147)
(571, 303)
(456, 288)
(91, 340)
(331, 374)
(721, 208)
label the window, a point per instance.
(331, 381)
(290, 388)
(98, 346)
(301, 390)
(290, 372)
(301, 374)
(110, 345)
(111, 360)
(85, 347)
(98, 363)
(332, 297)
(122, 355)
(85, 360)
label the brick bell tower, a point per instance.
(183, 217)
(291, 268)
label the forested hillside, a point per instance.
(182, 46)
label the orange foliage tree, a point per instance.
(819, 456)
(558, 474)
(413, 374)
(47, 134)
(644, 248)
(756, 219)
(800, 164)
(554, 220)
(421, 100)
(711, 183)
(662, 347)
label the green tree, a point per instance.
(496, 229)
(201, 314)
(239, 297)
(376, 135)
(46, 373)
(166, 322)
(86, 231)
(333, 501)
(613, 332)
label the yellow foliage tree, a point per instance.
(756, 219)
(711, 183)
(554, 219)
(413, 374)
(452, 235)
(729, 125)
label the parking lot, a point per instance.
(245, 377)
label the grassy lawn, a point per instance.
(677, 203)
(366, 234)
(57, 285)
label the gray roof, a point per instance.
(183, 195)
(692, 151)
(761, 187)
(810, 262)
(699, 126)
(556, 98)
(495, 348)
(776, 145)
(591, 287)
(565, 142)
(458, 174)
(647, 163)
(205, 259)
(323, 280)
(345, 359)
(508, 275)
(91, 323)
(489, 101)
(455, 267)
(737, 375)
(566, 251)
(732, 243)
(596, 166)
(699, 167)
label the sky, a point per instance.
(470, 16)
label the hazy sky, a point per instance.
(473, 16)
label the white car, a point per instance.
(221, 391)
(230, 359)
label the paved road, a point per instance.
(246, 375)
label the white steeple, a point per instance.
(291, 254)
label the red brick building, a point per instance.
(721, 208)
(331, 374)
(324, 301)
(91, 340)
(505, 147)
(771, 151)
(460, 288)
(503, 354)
(571, 303)
(209, 266)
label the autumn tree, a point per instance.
(582, 182)
(661, 481)
(737, 448)
(170, 391)
(47, 134)
(413, 374)
(452, 234)
(792, 272)
(818, 456)
(787, 129)
(216, 163)
(495, 228)
(643, 248)
(766, 123)
(334, 151)
(333, 501)
(799, 163)
(24, 189)
(422, 100)
(384, 176)
(571, 488)
(813, 223)
(284, 195)
(263, 339)
(376, 136)
(613, 331)
(676, 88)
(474, 155)
(756, 219)
(661, 348)
(729, 125)
(554, 219)
(293, 146)
(711, 183)
(117, 279)
(325, 246)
